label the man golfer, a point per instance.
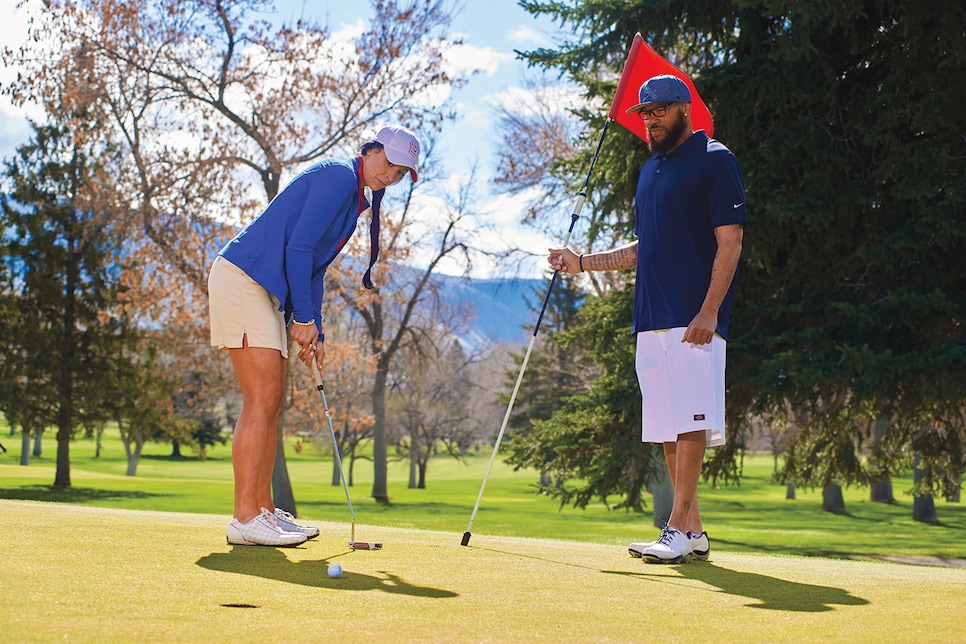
(690, 216)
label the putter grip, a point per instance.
(318, 376)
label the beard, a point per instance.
(671, 135)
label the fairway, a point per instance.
(98, 574)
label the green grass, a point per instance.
(104, 575)
(754, 517)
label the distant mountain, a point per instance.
(502, 307)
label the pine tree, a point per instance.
(71, 330)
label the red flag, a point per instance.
(642, 63)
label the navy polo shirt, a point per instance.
(681, 198)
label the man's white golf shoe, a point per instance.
(672, 547)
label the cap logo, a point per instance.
(413, 148)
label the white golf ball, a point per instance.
(335, 571)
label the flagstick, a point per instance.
(578, 206)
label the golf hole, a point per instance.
(239, 606)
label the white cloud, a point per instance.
(347, 32)
(527, 35)
(526, 100)
(468, 59)
(472, 114)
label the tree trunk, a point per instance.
(336, 474)
(923, 507)
(412, 464)
(832, 499)
(282, 495)
(62, 475)
(954, 497)
(25, 447)
(97, 442)
(422, 474)
(882, 492)
(790, 492)
(380, 487)
(175, 449)
(134, 457)
(663, 494)
(38, 444)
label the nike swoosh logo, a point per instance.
(739, 205)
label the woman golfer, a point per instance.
(268, 279)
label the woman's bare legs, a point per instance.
(261, 375)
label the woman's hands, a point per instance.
(310, 346)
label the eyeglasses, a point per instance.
(659, 111)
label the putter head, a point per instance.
(365, 545)
(466, 539)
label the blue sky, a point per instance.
(491, 30)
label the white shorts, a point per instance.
(682, 386)
(238, 306)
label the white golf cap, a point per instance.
(401, 146)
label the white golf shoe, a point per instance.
(700, 546)
(287, 522)
(637, 548)
(673, 547)
(263, 530)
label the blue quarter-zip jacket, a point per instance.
(287, 248)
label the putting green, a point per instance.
(101, 575)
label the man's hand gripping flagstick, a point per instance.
(642, 63)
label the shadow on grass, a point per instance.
(183, 458)
(383, 507)
(772, 593)
(846, 551)
(57, 494)
(271, 563)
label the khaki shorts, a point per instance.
(238, 306)
(682, 387)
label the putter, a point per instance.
(355, 545)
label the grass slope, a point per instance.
(105, 575)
